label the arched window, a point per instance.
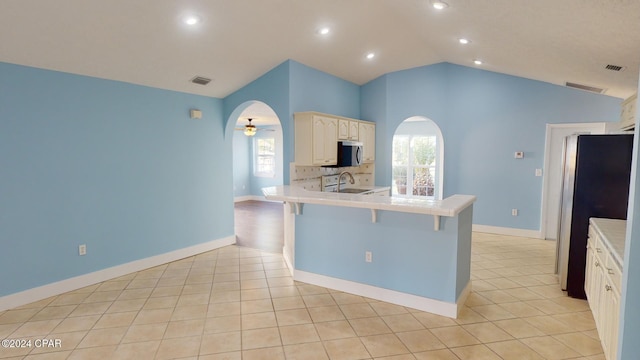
(417, 159)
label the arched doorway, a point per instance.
(257, 157)
(417, 159)
(257, 163)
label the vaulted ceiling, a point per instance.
(147, 41)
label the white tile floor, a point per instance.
(241, 303)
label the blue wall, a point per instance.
(484, 117)
(407, 254)
(490, 116)
(314, 90)
(291, 87)
(272, 89)
(241, 164)
(118, 167)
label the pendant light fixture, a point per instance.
(250, 130)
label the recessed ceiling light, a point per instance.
(324, 31)
(477, 62)
(464, 41)
(191, 20)
(371, 55)
(440, 5)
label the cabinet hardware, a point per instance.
(598, 250)
(610, 271)
(597, 264)
(607, 287)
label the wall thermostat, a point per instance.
(519, 154)
(195, 114)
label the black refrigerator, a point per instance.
(596, 174)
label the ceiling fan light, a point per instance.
(440, 5)
(250, 130)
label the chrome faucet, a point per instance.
(351, 180)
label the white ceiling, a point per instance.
(145, 41)
(260, 114)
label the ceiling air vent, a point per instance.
(200, 80)
(585, 87)
(615, 67)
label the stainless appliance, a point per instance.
(349, 153)
(596, 176)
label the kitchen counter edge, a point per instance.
(450, 206)
(613, 235)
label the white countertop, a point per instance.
(450, 206)
(613, 234)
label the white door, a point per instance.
(552, 181)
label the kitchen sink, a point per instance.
(353, 191)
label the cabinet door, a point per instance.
(325, 138)
(628, 114)
(598, 286)
(612, 320)
(367, 135)
(343, 129)
(354, 130)
(588, 275)
(331, 141)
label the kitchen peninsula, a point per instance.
(410, 252)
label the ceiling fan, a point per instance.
(250, 129)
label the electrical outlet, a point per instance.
(82, 250)
(367, 256)
(514, 212)
(538, 172)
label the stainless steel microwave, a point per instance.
(349, 153)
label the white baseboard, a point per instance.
(252, 198)
(536, 234)
(391, 296)
(248, 198)
(78, 282)
(287, 260)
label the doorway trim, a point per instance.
(549, 179)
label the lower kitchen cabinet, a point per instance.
(603, 275)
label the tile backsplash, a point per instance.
(308, 177)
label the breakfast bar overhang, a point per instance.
(409, 252)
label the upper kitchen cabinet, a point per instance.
(348, 129)
(367, 136)
(628, 114)
(316, 138)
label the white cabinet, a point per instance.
(628, 114)
(602, 285)
(347, 129)
(317, 135)
(367, 136)
(316, 139)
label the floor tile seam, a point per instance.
(542, 355)
(324, 345)
(482, 344)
